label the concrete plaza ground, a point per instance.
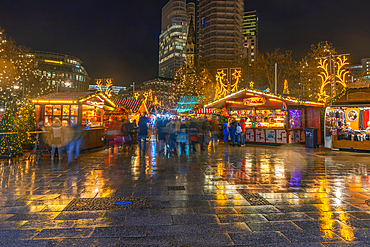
(223, 196)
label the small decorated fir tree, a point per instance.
(7, 125)
(26, 123)
(286, 88)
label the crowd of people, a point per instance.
(174, 134)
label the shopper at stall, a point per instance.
(143, 132)
(242, 135)
(226, 132)
(56, 138)
(235, 131)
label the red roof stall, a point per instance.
(271, 119)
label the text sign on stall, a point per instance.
(254, 101)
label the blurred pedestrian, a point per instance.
(215, 130)
(182, 137)
(56, 138)
(143, 132)
(171, 132)
(161, 137)
(126, 137)
(75, 144)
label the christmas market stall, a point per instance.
(84, 108)
(132, 108)
(271, 119)
(347, 119)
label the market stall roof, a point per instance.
(187, 103)
(251, 98)
(133, 104)
(71, 98)
(354, 96)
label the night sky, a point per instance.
(119, 39)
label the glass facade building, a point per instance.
(220, 30)
(64, 71)
(250, 33)
(172, 40)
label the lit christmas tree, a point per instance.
(26, 123)
(20, 77)
(7, 125)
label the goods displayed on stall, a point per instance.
(347, 120)
(271, 119)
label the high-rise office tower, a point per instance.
(220, 30)
(250, 33)
(172, 41)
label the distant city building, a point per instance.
(220, 30)
(366, 67)
(172, 41)
(64, 71)
(250, 33)
(160, 87)
(116, 89)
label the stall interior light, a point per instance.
(251, 94)
(276, 100)
(55, 101)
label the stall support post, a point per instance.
(276, 78)
(79, 116)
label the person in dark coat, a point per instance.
(233, 131)
(143, 132)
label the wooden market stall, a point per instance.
(347, 120)
(135, 107)
(84, 108)
(271, 119)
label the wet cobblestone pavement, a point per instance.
(224, 196)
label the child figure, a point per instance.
(226, 132)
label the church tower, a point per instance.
(190, 48)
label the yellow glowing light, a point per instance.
(146, 95)
(326, 77)
(137, 95)
(53, 61)
(221, 89)
(251, 84)
(236, 76)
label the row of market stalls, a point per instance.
(270, 119)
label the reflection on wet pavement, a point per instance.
(223, 196)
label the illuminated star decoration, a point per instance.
(251, 84)
(137, 95)
(221, 89)
(145, 94)
(323, 97)
(236, 76)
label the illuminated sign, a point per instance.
(53, 61)
(254, 101)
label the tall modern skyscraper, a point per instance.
(250, 33)
(220, 30)
(176, 15)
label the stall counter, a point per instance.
(274, 136)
